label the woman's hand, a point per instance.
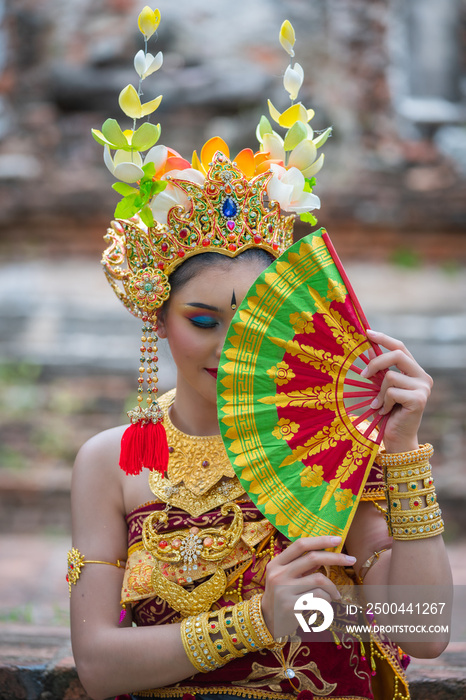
(405, 391)
(295, 572)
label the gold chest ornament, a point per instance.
(196, 466)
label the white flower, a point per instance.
(287, 188)
(146, 64)
(124, 165)
(293, 79)
(172, 195)
(157, 155)
(273, 144)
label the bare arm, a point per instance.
(408, 562)
(112, 658)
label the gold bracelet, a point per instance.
(369, 563)
(194, 645)
(412, 485)
(212, 626)
(76, 563)
(261, 630)
(214, 638)
(402, 459)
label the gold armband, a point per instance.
(413, 512)
(76, 563)
(212, 639)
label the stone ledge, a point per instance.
(36, 663)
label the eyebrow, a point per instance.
(199, 305)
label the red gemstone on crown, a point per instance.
(205, 242)
(160, 265)
(181, 253)
(184, 232)
(232, 247)
(257, 239)
(164, 247)
(163, 544)
(230, 225)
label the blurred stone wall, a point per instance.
(62, 65)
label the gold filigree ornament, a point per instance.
(188, 546)
(181, 497)
(193, 602)
(76, 563)
(298, 675)
(198, 462)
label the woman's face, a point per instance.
(197, 319)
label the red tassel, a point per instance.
(144, 445)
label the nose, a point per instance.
(221, 343)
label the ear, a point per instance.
(161, 328)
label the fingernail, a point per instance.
(335, 540)
(376, 403)
(349, 559)
(364, 372)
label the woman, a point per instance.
(193, 562)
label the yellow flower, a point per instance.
(148, 21)
(287, 37)
(281, 373)
(312, 476)
(344, 499)
(302, 322)
(130, 103)
(285, 429)
(295, 113)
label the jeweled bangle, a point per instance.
(194, 644)
(212, 639)
(416, 525)
(412, 486)
(214, 635)
(258, 623)
(398, 459)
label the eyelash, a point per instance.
(204, 322)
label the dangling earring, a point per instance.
(144, 443)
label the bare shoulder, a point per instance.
(96, 471)
(100, 454)
(97, 497)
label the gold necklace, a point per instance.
(198, 462)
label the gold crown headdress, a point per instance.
(179, 209)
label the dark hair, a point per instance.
(189, 269)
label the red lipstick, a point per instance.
(212, 371)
